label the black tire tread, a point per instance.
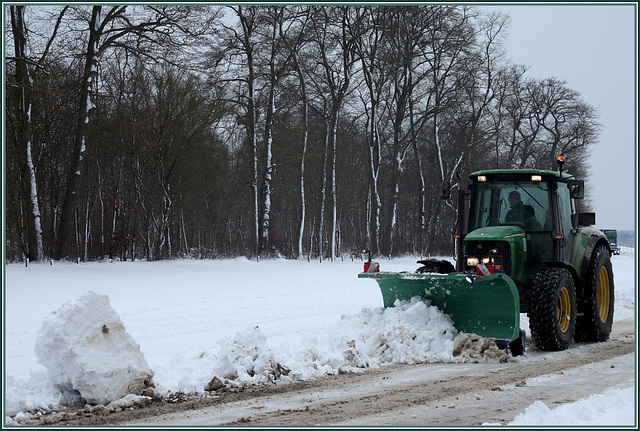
(589, 328)
(543, 296)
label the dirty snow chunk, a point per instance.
(89, 354)
(214, 384)
(249, 358)
(226, 369)
(128, 401)
(474, 348)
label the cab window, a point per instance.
(564, 208)
(516, 203)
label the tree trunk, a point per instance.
(34, 249)
(268, 175)
(70, 202)
(305, 137)
(323, 192)
(422, 191)
(334, 194)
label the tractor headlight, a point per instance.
(474, 261)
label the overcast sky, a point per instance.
(592, 48)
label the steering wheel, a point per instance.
(492, 221)
(514, 223)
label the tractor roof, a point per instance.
(522, 174)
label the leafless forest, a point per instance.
(307, 131)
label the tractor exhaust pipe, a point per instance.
(459, 232)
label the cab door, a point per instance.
(564, 231)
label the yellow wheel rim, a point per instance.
(603, 294)
(564, 309)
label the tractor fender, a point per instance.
(594, 241)
(563, 264)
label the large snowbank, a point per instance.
(88, 353)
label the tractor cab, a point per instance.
(519, 220)
(504, 201)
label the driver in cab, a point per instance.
(520, 212)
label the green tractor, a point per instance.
(523, 249)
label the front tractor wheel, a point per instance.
(596, 302)
(552, 309)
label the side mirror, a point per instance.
(576, 189)
(445, 190)
(586, 219)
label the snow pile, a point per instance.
(625, 281)
(247, 358)
(91, 358)
(412, 332)
(612, 408)
(89, 354)
(409, 333)
(474, 348)
(230, 322)
(34, 392)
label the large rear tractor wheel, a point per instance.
(552, 309)
(595, 304)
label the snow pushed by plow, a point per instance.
(282, 321)
(407, 334)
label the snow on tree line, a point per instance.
(205, 131)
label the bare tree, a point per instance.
(335, 49)
(407, 32)
(24, 85)
(282, 38)
(278, 127)
(245, 41)
(305, 134)
(570, 126)
(450, 39)
(113, 29)
(368, 32)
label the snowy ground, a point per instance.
(195, 320)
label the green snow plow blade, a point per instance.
(489, 307)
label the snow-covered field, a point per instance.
(238, 318)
